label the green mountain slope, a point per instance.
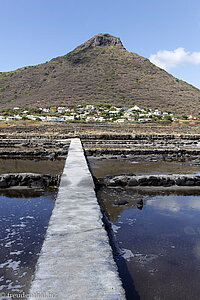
(98, 71)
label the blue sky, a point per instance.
(34, 31)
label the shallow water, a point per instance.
(41, 166)
(101, 168)
(156, 233)
(23, 222)
(159, 238)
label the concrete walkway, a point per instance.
(76, 261)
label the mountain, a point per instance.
(99, 71)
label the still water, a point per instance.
(101, 168)
(159, 238)
(24, 218)
(157, 235)
(41, 166)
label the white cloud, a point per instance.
(175, 204)
(169, 59)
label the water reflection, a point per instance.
(23, 223)
(196, 249)
(101, 168)
(140, 204)
(8, 165)
(174, 204)
(159, 237)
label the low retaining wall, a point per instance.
(30, 180)
(119, 152)
(140, 136)
(38, 153)
(152, 181)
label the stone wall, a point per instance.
(28, 180)
(132, 180)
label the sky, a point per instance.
(166, 32)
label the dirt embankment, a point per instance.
(78, 129)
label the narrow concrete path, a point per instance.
(76, 261)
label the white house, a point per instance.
(60, 110)
(135, 107)
(42, 118)
(88, 119)
(157, 113)
(131, 119)
(121, 121)
(101, 119)
(90, 107)
(68, 118)
(32, 117)
(142, 120)
(17, 117)
(10, 118)
(46, 110)
(51, 119)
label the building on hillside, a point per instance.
(90, 107)
(135, 107)
(121, 121)
(132, 119)
(143, 120)
(157, 113)
(68, 118)
(101, 119)
(60, 110)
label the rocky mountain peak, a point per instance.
(105, 40)
(99, 40)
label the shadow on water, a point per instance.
(126, 279)
(155, 236)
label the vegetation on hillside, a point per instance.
(98, 71)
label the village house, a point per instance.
(68, 118)
(157, 113)
(131, 119)
(90, 107)
(46, 110)
(61, 110)
(121, 121)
